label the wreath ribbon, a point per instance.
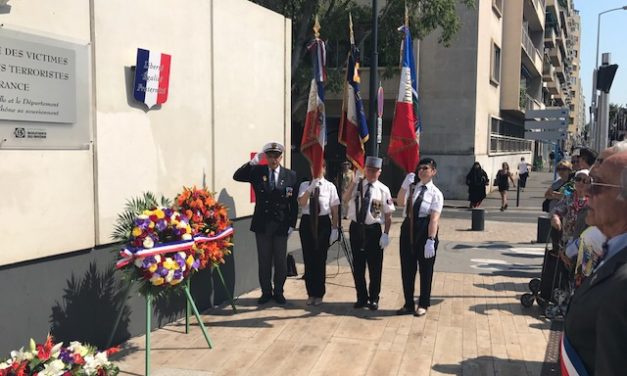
(128, 256)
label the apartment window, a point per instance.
(495, 65)
(497, 7)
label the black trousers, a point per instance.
(413, 258)
(271, 251)
(366, 251)
(315, 253)
(523, 179)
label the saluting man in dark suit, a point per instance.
(595, 330)
(274, 218)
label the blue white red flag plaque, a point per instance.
(152, 77)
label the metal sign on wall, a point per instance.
(152, 77)
(550, 124)
(44, 92)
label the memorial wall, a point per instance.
(75, 143)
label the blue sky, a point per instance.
(613, 40)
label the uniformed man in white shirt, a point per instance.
(523, 173)
(319, 203)
(423, 203)
(370, 206)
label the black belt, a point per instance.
(367, 226)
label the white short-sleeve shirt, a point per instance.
(523, 168)
(380, 203)
(327, 199)
(432, 201)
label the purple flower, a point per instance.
(178, 274)
(161, 225)
(162, 271)
(66, 356)
(196, 264)
(168, 212)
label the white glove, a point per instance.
(384, 241)
(334, 236)
(290, 230)
(257, 158)
(408, 180)
(358, 176)
(312, 186)
(429, 248)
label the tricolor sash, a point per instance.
(570, 362)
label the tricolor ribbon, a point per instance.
(570, 362)
(128, 256)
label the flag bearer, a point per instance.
(423, 202)
(370, 206)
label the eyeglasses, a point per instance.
(595, 188)
(423, 168)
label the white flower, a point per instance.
(6, 364)
(20, 355)
(186, 237)
(54, 368)
(77, 347)
(148, 242)
(170, 276)
(157, 258)
(139, 262)
(92, 363)
(182, 254)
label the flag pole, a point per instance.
(374, 65)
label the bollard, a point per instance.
(544, 228)
(478, 219)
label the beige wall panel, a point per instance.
(58, 18)
(488, 94)
(250, 91)
(165, 148)
(47, 203)
(47, 196)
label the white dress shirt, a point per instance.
(327, 199)
(432, 200)
(380, 203)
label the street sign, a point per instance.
(551, 113)
(545, 135)
(546, 124)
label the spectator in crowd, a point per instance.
(583, 158)
(476, 180)
(555, 192)
(595, 328)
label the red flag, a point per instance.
(315, 133)
(406, 127)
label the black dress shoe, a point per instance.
(373, 306)
(405, 311)
(280, 299)
(360, 304)
(265, 298)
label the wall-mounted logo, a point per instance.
(152, 77)
(19, 132)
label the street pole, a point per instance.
(604, 111)
(374, 65)
(595, 130)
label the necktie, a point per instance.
(314, 211)
(365, 203)
(272, 183)
(418, 201)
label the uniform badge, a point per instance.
(288, 192)
(375, 208)
(265, 178)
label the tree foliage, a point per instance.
(425, 17)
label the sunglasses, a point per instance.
(596, 188)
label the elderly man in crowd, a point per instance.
(595, 331)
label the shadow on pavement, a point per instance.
(502, 286)
(488, 365)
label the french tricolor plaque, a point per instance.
(152, 77)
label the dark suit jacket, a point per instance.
(278, 205)
(596, 322)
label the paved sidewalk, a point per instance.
(476, 325)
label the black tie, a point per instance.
(272, 184)
(365, 203)
(314, 211)
(418, 201)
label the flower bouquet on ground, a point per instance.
(210, 225)
(159, 249)
(50, 359)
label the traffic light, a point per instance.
(605, 77)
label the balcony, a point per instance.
(532, 52)
(554, 87)
(549, 37)
(555, 56)
(548, 71)
(527, 102)
(507, 144)
(533, 12)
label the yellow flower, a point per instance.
(170, 264)
(152, 268)
(160, 214)
(157, 280)
(190, 260)
(136, 231)
(151, 225)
